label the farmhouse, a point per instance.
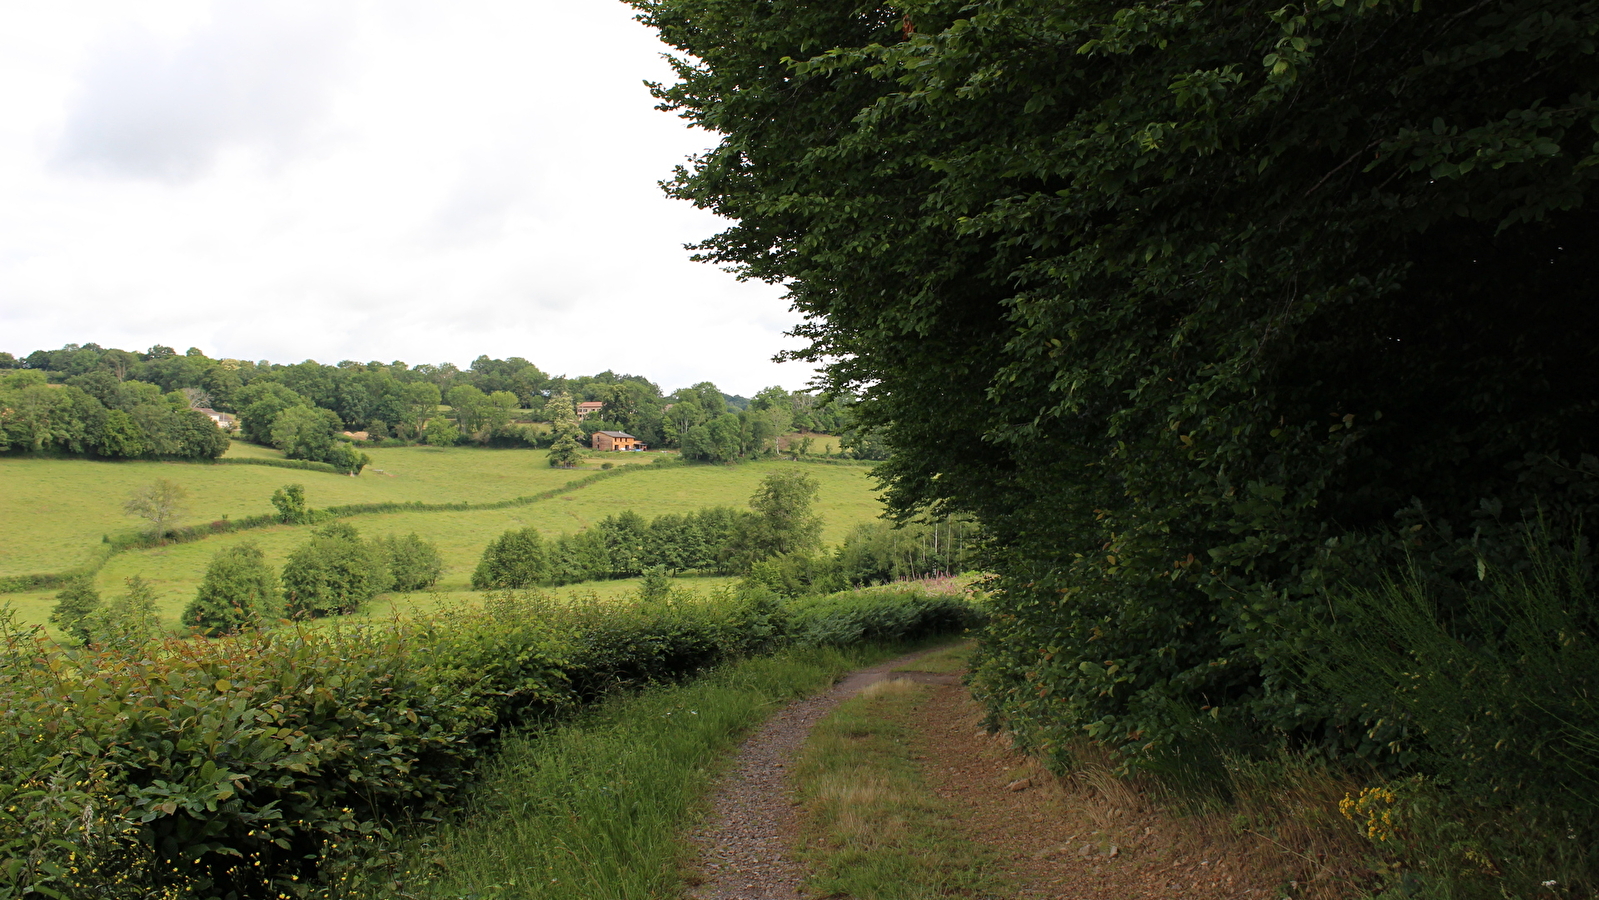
(223, 420)
(588, 408)
(616, 440)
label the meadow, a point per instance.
(54, 512)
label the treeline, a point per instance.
(96, 415)
(334, 572)
(776, 544)
(494, 402)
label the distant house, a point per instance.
(223, 420)
(616, 440)
(588, 408)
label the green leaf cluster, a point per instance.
(1201, 310)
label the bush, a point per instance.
(289, 501)
(75, 604)
(239, 590)
(334, 573)
(242, 765)
(515, 559)
(129, 620)
(414, 564)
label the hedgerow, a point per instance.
(244, 765)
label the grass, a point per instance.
(420, 473)
(944, 662)
(873, 829)
(54, 512)
(598, 808)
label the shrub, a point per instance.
(515, 559)
(75, 604)
(289, 501)
(239, 590)
(128, 620)
(414, 564)
(333, 573)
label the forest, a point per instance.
(111, 403)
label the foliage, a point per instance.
(1499, 702)
(413, 563)
(440, 433)
(565, 451)
(289, 501)
(334, 572)
(75, 607)
(127, 621)
(161, 503)
(248, 763)
(240, 590)
(1197, 309)
(515, 559)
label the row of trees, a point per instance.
(716, 540)
(493, 402)
(99, 416)
(332, 573)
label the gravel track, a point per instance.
(744, 852)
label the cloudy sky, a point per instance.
(338, 179)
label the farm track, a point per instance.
(1051, 837)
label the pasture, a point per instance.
(55, 510)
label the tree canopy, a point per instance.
(1199, 308)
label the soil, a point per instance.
(1055, 837)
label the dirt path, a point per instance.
(744, 853)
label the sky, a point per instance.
(384, 180)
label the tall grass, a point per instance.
(595, 809)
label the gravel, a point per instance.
(744, 854)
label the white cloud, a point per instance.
(378, 180)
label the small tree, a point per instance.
(785, 522)
(129, 620)
(289, 501)
(75, 607)
(414, 564)
(161, 503)
(239, 590)
(440, 433)
(515, 559)
(333, 573)
(656, 586)
(565, 451)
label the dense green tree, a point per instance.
(565, 451)
(1199, 308)
(515, 559)
(262, 402)
(75, 607)
(441, 433)
(119, 437)
(289, 501)
(239, 590)
(785, 518)
(414, 564)
(305, 432)
(333, 573)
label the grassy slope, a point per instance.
(846, 499)
(53, 512)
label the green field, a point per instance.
(53, 512)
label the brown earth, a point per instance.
(1087, 836)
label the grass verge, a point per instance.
(873, 829)
(597, 808)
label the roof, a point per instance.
(617, 434)
(594, 403)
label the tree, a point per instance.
(305, 432)
(119, 437)
(413, 563)
(289, 501)
(333, 573)
(1199, 309)
(440, 433)
(565, 451)
(515, 559)
(161, 503)
(239, 590)
(75, 607)
(785, 521)
(129, 620)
